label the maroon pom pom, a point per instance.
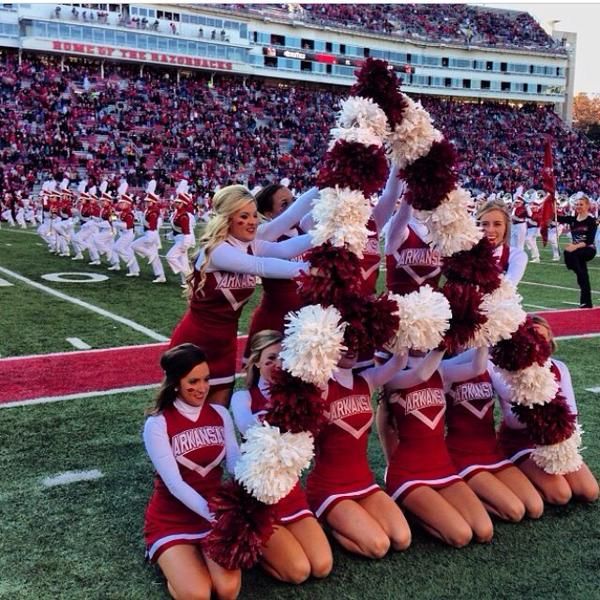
(431, 178)
(295, 405)
(377, 80)
(371, 322)
(525, 347)
(338, 275)
(548, 423)
(477, 266)
(243, 526)
(355, 166)
(465, 301)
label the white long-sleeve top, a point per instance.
(267, 258)
(241, 407)
(517, 263)
(158, 447)
(503, 391)
(291, 216)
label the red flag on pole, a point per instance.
(549, 186)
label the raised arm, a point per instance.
(285, 249)
(380, 375)
(228, 258)
(384, 208)
(398, 228)
(275, 228)
(158, 447)
(455, 370)
(422, 372)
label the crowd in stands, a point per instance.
(222, 129)
(450, 23)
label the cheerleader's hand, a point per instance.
(204, 511)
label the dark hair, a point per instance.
(176, 363)
(264, 198)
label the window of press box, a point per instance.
(485, 85)
(277, 40)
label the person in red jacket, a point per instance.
(148, 244)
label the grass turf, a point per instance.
(84, 540)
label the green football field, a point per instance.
(83, 540)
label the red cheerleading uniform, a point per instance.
(294, 506)
(471, 435)
(279, 297)
(422, 457)
(412, 265)
(341, 470)
(199, 448)
(369, 263)
(211, 321)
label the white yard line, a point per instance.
(96, 394)
(556, 287)
(71, 477)
(577, 337)
(101, 311)
(78, 343)
(538, 306)
(4, 283)
(594, 390)
(571, 303)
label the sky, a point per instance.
(581, 18)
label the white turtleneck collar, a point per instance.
(187, 410)
(238, 243)
(344, 377)
(263, 386)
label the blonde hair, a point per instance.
(226, 202)
(259, 342)
(537, 320)
(500, 206)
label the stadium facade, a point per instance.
(281, 42)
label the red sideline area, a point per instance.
(49, 375)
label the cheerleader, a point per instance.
(341, 488)
(420, 475)
(555, 489)
(279, 296)
(479, 460)
(224, 278)
(187, 439)
(494, 219)
(298, 548)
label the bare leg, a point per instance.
(226, 584)
(438, 516)
(462, 497)
(313, 540)
(284, 558)
(496, 496)
(554, 489)
(357, 531)
(388, 514)
(583, 484)
(515, 479)
(187, 575)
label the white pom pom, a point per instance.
(341, 217)
(355, 134)
(414, 136)
(561, 458)
(363, 113)
(424, 318)
(313, 343)
(271, 462)
(451, 227)
(504, 315)
(533, 385)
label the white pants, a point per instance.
(102, 243)
(147, 246)
(122, 250)
(20, 218)
(553, 239)
(64, 232)
(83, 238)
(531, 243)
(7, 214)
(177, 256)
(518, 233)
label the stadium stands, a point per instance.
(225, 129)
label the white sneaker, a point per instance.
(184, 286)
(114, 268)
(78, 257)
(67, 254)
(132, 274)
(535, 260)
(94, 262)
(160, 279)
(555, 258)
